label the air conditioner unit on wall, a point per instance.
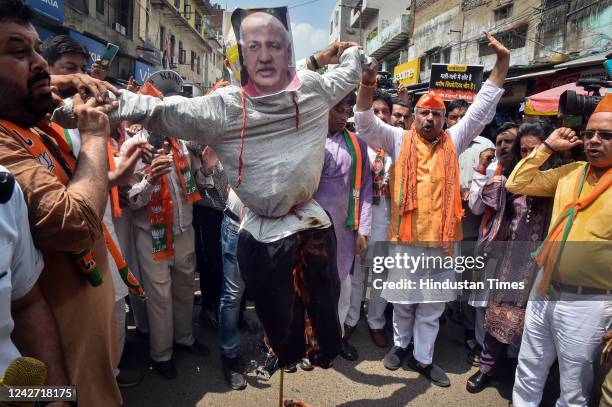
(119, 28)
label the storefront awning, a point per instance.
(547, 102)
(596, 59)
(532, 75)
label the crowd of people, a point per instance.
(111, 195)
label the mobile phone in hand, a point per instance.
(109, 55)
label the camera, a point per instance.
(570, 103)
(385, 81)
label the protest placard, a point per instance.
(452, 82)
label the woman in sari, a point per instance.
(521, 223)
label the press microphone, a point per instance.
(24, 371)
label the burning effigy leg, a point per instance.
(288, 277)
(293, 280)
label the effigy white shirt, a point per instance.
(284, 142)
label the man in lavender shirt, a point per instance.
(333, 195)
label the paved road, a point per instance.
(364, 383)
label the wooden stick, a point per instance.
(280, 390)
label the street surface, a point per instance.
(364, 383)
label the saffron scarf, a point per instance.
(113, 152)
(352, 219)
(404, 199)
(549, 253)
(63, 167)
(160, 208)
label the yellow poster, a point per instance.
(407, 73)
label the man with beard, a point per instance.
(473, 308)
(426, 204)
(472, 318)
(401, 116)
(571, 309)
(65, 202)
(66, 56)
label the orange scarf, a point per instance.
(113, 152)
(160, 206)
(63, 169)
(549, 252)
(404, 192)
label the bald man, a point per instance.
(266, 53)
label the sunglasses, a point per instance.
(605, 135)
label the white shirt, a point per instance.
(121, 290)
(478, 182)
(20, 267)
(284, 141)
(376, 132)
(381, 213)
(468, 160)
(140, 193)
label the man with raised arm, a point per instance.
(426, 204)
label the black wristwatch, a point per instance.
(314, 63)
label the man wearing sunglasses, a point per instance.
(573, 305)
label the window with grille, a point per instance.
(446, 56)
(512, 39)
(81, 5)
(193, 61)
(503, 12)
(198, 22)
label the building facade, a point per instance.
(340, 22)
(151, 35)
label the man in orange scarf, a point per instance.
(161, 196)
(426, 204)
(65, 217)
(569, 314)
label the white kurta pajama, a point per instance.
(414, 315)
(381, 212)
(169, 284)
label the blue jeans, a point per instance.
(232, 290)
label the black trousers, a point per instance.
(207, 225)
(287, 277)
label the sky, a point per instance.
(309, 22)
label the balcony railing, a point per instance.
(389, 38)
(360, 16)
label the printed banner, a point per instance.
(453, 82)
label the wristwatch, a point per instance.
(314, 62)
